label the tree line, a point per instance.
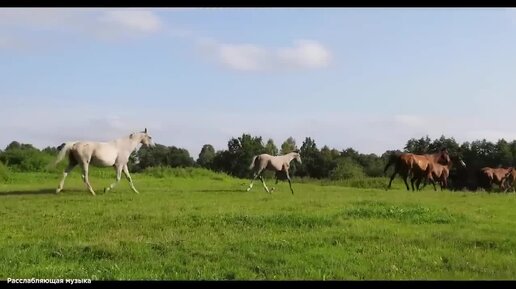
(318, 162)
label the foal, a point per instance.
(273, 163)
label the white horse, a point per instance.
(102, 154)
(273, 163)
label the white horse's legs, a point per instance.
(264, 185)
(68, 169)
(276, 183)
(252, 181)
(289, 182)
(277, 180)
(128, 176)
(118, 177)
(86, 178)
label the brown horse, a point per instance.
(415, 165)
(496, 176)
(509, 179)
(440, 173)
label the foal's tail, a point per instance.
(64, 148)
(252, 162)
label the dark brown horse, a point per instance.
(495, 176)
(408, 164)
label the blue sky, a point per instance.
(364, 78)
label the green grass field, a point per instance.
(198, 225)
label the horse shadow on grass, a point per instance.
(219, 190)
(28, 192)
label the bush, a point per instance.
(4, 172)
(346, 168)
(363, 183)
(188, 172)
(26, 160)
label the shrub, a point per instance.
(26, 160)
(346, 168)
(188, 172)
(4, 172)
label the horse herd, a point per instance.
(428, 168)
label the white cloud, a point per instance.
(410, 121)
(128, 23)
(304, 54)
(137, 20)
(491, 134)
(37, 18)
(245, 57)
(105, 24)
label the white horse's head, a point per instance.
(144, 138)
(297, 156)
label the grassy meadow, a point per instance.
(193, 224)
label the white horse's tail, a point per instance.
(64, 148)
(252, 163)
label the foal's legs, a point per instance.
(118, 169)
(86, 178)
(289, 182)
(253, 179)
(128, 176)
(444, 183)
(277, 174)
(264, 185)
(68, 169)
(431, 180)
(418, 184)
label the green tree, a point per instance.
(237, 158)
(25, 157)
(328, 159)
(179, 157)
(346, 168)
(312, 160)
(444, 142)
(50, 150)
(206, 156)
(503, 153)
(161, 155)
(13, 145)
(484, 151)
(371, 164)
(418, 146)
(270, 148)
(288, 145)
